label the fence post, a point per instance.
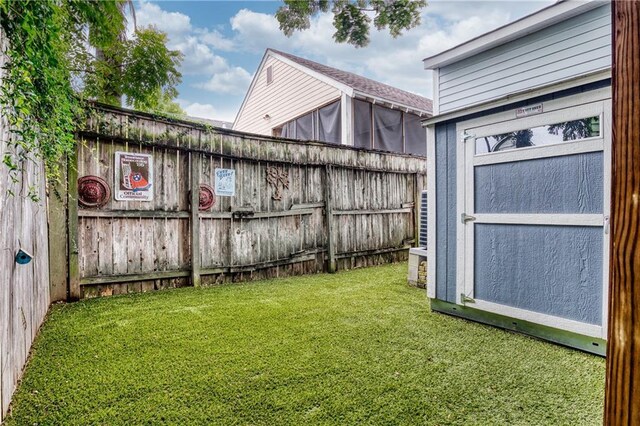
(328, 201)
(72, 226)
(194, 162)
(58, 263)
(622, 390)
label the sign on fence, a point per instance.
(225, 182)
(134, 177)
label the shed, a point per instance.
(519, 176)
(296, 98)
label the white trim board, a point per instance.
(606, 240)
(523, 96)
(544, 151)
(540, 219)
(431, 212)
(387, 103)
(554, 112)
(590, 330)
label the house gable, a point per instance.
(269, 105)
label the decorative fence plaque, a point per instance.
(279, 180)
(134, 177)
(225, 182)
(206, 198)
(93, 191)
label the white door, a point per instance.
(533, 209)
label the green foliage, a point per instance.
(352, 18)
(164, 104)
(354, 348)
(50, 66)
(577, 129)
(142, 69)
(36, 97)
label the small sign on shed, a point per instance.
(225, 183)
(529, 110)
(134, 177)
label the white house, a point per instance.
(297, 98)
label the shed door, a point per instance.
(533, 218)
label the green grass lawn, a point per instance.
(358, 347)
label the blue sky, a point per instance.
(223, 43)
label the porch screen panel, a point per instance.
(284, 132)
(361, 124)
(553, 270)
(330, 123)
(304, 127)
(387, 129)
(289, 130)
(415, 135)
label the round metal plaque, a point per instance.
(93, 191)
(207, 197)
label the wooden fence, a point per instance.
(299, 207)
(24, 288)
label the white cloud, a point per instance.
(256, 30)
(199, 59)
(216, 40)
(172, 23)
(199, 47)
(233, 81)
(201, 110)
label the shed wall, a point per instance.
(446, 139)
(575, 47)
(281, 99)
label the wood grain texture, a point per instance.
(24, 289)
(343, 208)
(622, 391)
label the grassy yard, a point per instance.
(357, 347)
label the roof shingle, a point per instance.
(364, 85)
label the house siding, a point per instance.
(575, 47)
(281, 99)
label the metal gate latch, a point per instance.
(464, 218)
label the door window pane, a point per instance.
(543, 135)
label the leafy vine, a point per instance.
(49, 65)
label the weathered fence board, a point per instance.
(24, 289)
(340, 206)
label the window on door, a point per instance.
(548, 134)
